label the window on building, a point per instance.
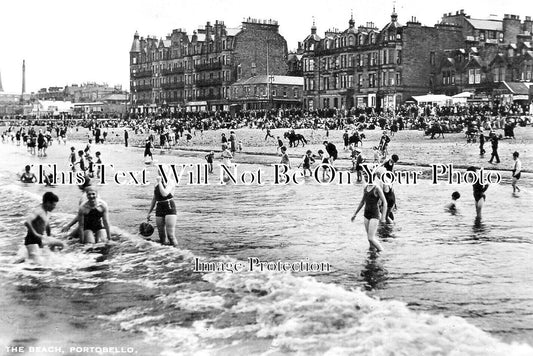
(398, 78)
(477, 75)
(432, 58)
(360, 80)
(399, 56)
(371, 80)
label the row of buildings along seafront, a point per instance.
(197, 71)
(495, 61)
(363, 66)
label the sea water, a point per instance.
(444, 285)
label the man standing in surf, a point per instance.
(39, 231)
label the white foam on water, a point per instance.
(304, 316)
(193, 301)
(186, 340)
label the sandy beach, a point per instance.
(413, 147)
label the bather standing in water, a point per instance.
(479, 194)
(372, 194)
(38, 226)
(165, 211)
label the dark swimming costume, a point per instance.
(479, 191)
(390, 197)
(517, 176)
(40, 226)
(93, 220)
(307, 162)
(165, 205)
(147, 151)
(371, 204)
(27, 178)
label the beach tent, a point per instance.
(461, 98)
(439, 99)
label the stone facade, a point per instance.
(264, 92)
(367, 67)
(196, 71)
(496, 56)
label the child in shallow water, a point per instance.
(452, 206)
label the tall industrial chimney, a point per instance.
(23, 76)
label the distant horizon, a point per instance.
(67, 43)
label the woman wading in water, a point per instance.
(372, 194)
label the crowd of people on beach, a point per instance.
(378, 198)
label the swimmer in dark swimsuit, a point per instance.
(148, 150)
(372, 194)
(390, 197)
(479, 194)
(165, 212)
(308, 160)
(93, 219)
(37, 225)
(27, 176)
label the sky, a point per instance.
(71, 41)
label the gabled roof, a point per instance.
(499, 58)
(475, 61)
(492, 25)
(448, 62)
(165, 43)
(277, 79)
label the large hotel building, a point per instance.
(197, 71)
